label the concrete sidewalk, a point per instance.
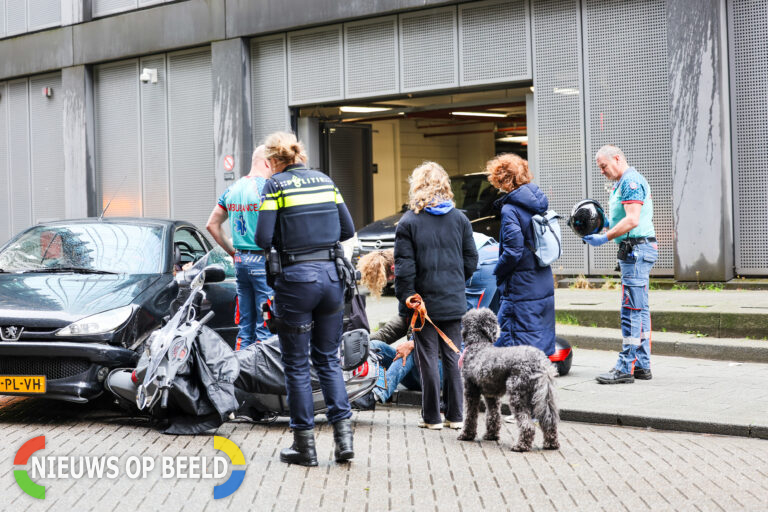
(719, 314)
(687, 393)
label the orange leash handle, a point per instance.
(416, 303)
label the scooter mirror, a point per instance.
(214, 274)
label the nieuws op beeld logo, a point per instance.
(111, 467)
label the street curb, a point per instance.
(701, 348)
(413, 399)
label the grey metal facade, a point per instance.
(592, 86)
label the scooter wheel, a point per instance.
(564, 366)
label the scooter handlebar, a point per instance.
(207, 317)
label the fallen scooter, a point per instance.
(189, 376)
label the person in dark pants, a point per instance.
(304, 217)
(434, 255)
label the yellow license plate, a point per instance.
(22, 384)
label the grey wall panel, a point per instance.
(2, 18)
(494, 42)
(559, 118)
(18, 154)
(44, 14)
(46, 119)
(5, 193)
(315, 60)
(428, 50)
(118, 151)
(104, 7)
(190, 118)
(15, 16)
(628, 105)
(371, 58)
(29, 54)
(154, 141)
(269, 87)
(749, 88)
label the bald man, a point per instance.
(241, 204)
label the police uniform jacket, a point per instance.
(302, 211)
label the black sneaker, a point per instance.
(642, 373)
(615, 377)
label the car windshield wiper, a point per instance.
(76, 270)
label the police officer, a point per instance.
(304, 217)
(630, 223)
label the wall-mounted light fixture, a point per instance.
(479, 114)
(48, 92)
(148, 75)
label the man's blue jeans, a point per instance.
(252, 291)
(635, 313)
(407, 375)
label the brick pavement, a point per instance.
(398, 467)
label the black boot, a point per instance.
(302, 451)
(342, 435)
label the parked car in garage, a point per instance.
(473, 195)
(79, 297)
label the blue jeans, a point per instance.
(635, 313)
(407, 375)
(252, 291)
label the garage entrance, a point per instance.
(371, 148)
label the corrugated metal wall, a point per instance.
(316, 56)
(46, 119)
(269, 87)
(749, 100)
(559, 122)
(154, 141)
(20, 187)
(5, 185)
(428, 50)
(627, 104)
(371, 57)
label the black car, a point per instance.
(473, 195)
(79, 297)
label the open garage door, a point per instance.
(347, 160)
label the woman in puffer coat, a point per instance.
(527, 310)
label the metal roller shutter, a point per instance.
(749, 67)
(104, 7)
(269, 87)
(15, 16)
(5, 184)
(118, 152)
(559, 118)
(370, 58)
(154, 141)
(494, 42)
(428, 50)
(44, 14)
(2, 18)
(628, 105)
(315, 58)
(46, 119)
(18, 141)
(190, 118)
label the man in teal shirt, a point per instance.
(241, 203)
(630, 223)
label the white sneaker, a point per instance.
(455, 425)
(510, 419)
(431, 426)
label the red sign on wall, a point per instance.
(229, 163)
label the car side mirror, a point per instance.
(404, 208)
(214, 274)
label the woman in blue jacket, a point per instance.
(527, 310)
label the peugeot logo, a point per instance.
(377, 245)
(11, 333)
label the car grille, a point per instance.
(370, 244)
(59, 368)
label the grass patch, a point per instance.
(679, 287)
(581, 283)
(697, 334)
(712, 287)
(566, 319)
(610, 283)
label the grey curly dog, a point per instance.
(523, 372)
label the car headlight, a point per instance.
(350, 246)
(99, 323)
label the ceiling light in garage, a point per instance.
(479, 114)
(363, 110)
(522, 139)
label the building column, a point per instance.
(700, 137)
(79, 187)
(75, 11)
(231, 111)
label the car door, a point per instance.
(220, 297)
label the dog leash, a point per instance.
(416, 303)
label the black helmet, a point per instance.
(587, 218)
